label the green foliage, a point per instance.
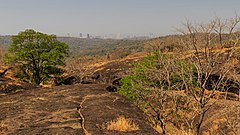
(131, 82)
(154, 83)
(127, 87)
(20, 72)
(159, 70)
(37, 55)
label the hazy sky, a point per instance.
(100, 17)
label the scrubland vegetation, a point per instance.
(177, 84)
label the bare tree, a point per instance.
(211, 60)
(156, 85)
(178, 88)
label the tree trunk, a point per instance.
(36, 77)
(199, 124)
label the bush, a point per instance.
(127, 87)
(153, 84)
(159, 71)
(130, 82)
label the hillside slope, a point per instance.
(59, 111)
(88, 107)
(72, 109)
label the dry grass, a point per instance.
(172, 130)
(184, 133)
(122, 124)
(3, 128)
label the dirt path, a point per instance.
(77, 109)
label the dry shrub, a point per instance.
(79, 66)
(122, 124)
(232, 116)
(118, 54)
(172, 130)
(165, 44)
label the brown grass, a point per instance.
(172, 130)
(3, 128)
(122, 124)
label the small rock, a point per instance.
(111, 88)
(116, 82)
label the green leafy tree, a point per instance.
(36, 55)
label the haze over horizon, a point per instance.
(103, 17)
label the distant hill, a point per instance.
(95, 46)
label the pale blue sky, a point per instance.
(100, 17)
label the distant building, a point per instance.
(81, 35)
(88, 35)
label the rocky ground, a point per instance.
(64, 110)
(71, 109)
(88, 104)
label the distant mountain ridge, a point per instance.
(93, 46)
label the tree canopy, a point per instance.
(36, 55)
